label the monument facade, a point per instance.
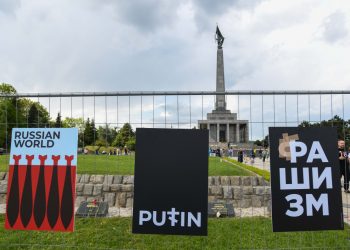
(222, 124)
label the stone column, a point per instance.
(227, 132)
(247, 133)
(218, 132)
(237, 132)
(212, 133)
(220, 103)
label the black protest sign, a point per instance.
(305, 181)
(171, 182)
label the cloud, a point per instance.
(149, 45)
(220, 7)
(335, 27)
(9, 6)
(144, 15)
(282, 52)
(61, 45)
(208, 12)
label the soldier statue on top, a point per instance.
(219, 37)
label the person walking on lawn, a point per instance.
(344, 164)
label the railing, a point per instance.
(174, 109)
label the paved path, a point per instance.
(258, 163)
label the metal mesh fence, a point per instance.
(108, 112)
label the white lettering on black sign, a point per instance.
(297, 201)
(161, 205)
(305, 179)
(172, 217)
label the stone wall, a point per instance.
(3, 187)
(241, 191)
(118, 190)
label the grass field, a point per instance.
(261, 172)
(227, 233)
(124, 165)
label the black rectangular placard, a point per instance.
(171, 182)
(305, 182)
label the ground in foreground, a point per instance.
(226, 233)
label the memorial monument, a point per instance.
(222, 124)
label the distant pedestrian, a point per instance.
(247, 155)
(252, 155)
(230, 152)
(267, 154)
(218, 152)
(260, 153)
(344, 164)
(264, 154)
(240, 155)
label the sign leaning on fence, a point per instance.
(41, 184)
(305, 179)
(164, 158)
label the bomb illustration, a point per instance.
(41, 180)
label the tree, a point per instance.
(258, 143)
(130, 144)
(58, 123)
(266, 141)
(33, 120)
(343, 126)
(7, 114)
(93, 129)
(119, 141)
(262, 143)
(100, 143)
(89, 132)
(38, 117)
(7, 89)
(305, 124)
(12, 113)
(106, 134)
(69, 122)
(124, 135)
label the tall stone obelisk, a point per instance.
(220, 104)
(223, 126)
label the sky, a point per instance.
(158, 45)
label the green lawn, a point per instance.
(261, 172)
(218, 167)
(228, 233)
(124, 165)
